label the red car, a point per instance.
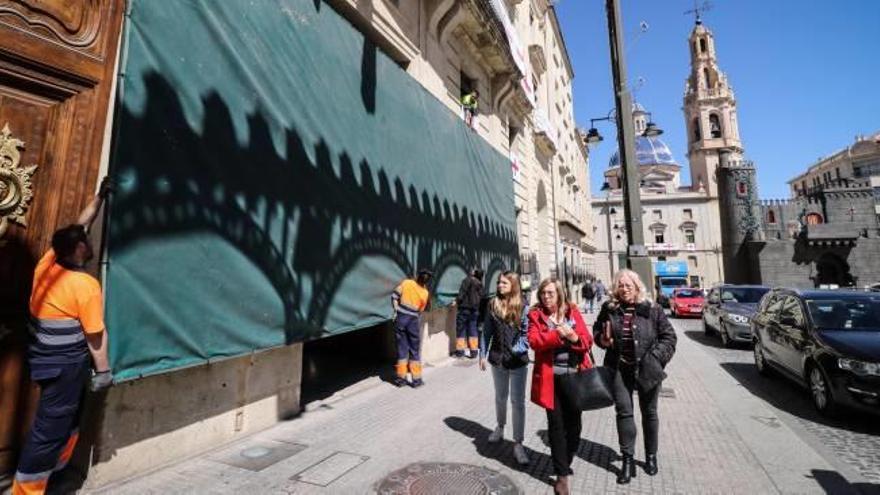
(686, 302)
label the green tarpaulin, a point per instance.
(278, 177)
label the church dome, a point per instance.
(649, 151)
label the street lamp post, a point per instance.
(637, 256)
(608, 212)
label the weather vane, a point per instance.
(698, 10)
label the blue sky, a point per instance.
(806, 75)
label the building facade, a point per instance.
(60, 94)
(513, 52)
(680, 220)
(826, 235)
(858, 162)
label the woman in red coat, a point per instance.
(559, 337)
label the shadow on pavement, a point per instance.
(833, 482)
(713, 340)
(501, 451)
(597, 454)
(790, 397)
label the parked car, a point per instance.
(686, 302)
(728, 310)
(826, 340)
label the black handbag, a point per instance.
(587, 389)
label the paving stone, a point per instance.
(702, 446)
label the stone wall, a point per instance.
(789, 263)
(144, 424)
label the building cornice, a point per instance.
(558, 30)
(659, 199)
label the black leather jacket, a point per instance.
(470, 293)
(653, 335)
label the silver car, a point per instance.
(728, 310)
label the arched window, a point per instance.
(742, 188)
(814, 219)
(715, 125)
(697, 133)
(702, 45)
(706, 77)
(771, 216)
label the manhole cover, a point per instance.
(437, 478)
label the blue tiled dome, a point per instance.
(649, 151)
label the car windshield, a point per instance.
(849, 314)
(689, 293)
(749, 295)
(674, 282)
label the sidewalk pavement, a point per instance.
(715, 438)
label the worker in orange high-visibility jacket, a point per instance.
(68, 334)
(409, 299)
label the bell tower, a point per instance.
(710, 113)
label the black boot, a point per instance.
(627, 470)
(651, 464)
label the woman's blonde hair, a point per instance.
(563, 304)
(509, 308)
(642, 292)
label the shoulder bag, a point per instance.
(587, 389)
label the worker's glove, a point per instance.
(101, 380)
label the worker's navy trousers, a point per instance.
(54, 432)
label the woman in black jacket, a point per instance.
(639, 342)
(504, 343)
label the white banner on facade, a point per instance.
(542, 123)
(517, 51)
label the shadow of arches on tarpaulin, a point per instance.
(297, 225)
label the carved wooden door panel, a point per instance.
(57, 59)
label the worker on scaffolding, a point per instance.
(469, 106)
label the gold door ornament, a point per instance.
(16, 190)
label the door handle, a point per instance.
(16, 190)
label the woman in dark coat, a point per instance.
(639, 342)
(561, 342)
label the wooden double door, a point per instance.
(57, 60)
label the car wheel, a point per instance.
(725, 337)
(707, 330)
(820, 391)
(761, 362)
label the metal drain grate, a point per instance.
(667, 393)
(330, 469)
(436, 478)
